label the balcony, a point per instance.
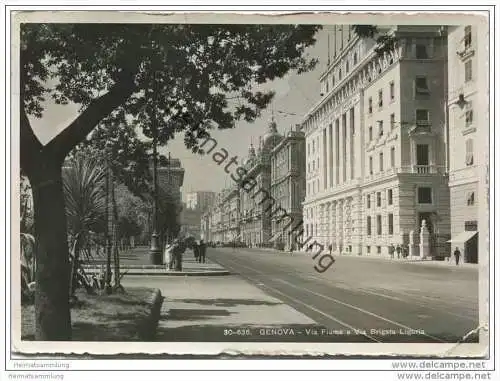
(426, 169)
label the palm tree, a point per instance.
(84, 180)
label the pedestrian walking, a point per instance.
(330, 247)
(292, 247)
(398, 251)
(457, 254)
(196, 250)
(202, 251)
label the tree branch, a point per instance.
(98, 109)
(30, 147)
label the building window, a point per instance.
(425, 195)
(333, 81)
(390, 223)
(469, 152)
(389, 196)
(347, 66)
(371, 165)
(421, 85)
(379, 199)
(370, 133)
(314, 163)
(379, 249)
(421, 52)
(393, 121)
(313, 147)
(468, 70)
(327, 86)
(379, 224)
(391, 90)
(422, 116)
(355, 58)
(370, 105)
(380, 98)
(470, 198)
(469, 117)
(368, 225)
(368, 201)
(470, 226)
(368, 248)
(422, 154)
(380, 128)
(340, 74)
(467, 37)
(381, 161)
(393, 157)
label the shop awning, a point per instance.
(463, 237)
(275, 237)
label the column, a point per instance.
(326, 239)
(341, 150)
(358, 227)
(333, 207)
(339, 225)
(347, 138)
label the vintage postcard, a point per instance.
(250, 183)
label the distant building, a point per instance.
(201, 200)
(257, 205)
(375, 145)
(288, 171)
(468, 126)
(171, 177)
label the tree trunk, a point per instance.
(53, 318)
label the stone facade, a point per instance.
(375, 146)
(287, 187)
(468, 126)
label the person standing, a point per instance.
(330, 247)
(202, 251)
(457, 254)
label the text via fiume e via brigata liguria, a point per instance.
(320, 331)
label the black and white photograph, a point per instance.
(304, 183)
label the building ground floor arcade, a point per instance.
(373, 218)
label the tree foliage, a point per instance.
(173, 69)
(386, 43)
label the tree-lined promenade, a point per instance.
(126, 76)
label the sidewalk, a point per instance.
(414, 260)
(136, 262)
(221, 309)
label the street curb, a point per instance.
(171, 273)
(148, 327)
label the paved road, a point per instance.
(381, 300)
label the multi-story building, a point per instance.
(190, 221)
(171, 178)
(256, 205)
(206, 226)
(375, 144)
(200, 200)
(288, 186)
(468, 124)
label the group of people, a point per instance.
(200, 249)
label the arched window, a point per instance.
(347, 66)
(355, 58)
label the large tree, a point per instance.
(150, 75)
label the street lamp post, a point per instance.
(155, 250)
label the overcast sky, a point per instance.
(295, 94)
